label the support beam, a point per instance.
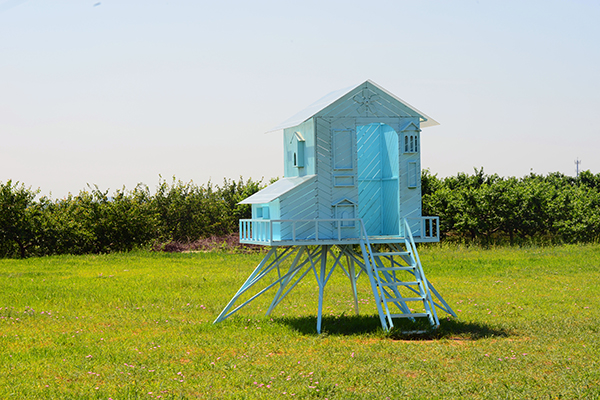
(291, 272)
(322, 281)
(352, 277)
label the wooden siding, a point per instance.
(410, 182)
(323, 156)
(298, 204)
(275, 213)
(347, 167)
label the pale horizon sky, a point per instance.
(120, 92)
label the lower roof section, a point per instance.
(276, 189)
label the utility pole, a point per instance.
(577, 162)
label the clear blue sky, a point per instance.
(118, 93)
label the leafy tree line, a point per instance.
(94, 222)
(491, 209)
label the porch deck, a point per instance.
(303, 232)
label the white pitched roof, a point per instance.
(332, 97)
(311, 110)
(277, 189)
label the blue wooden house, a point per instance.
(352, 176)
(355, 154)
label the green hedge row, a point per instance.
(481, 208)
(94, 222)
(491, 209)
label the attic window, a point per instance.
(411, 143)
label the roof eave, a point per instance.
(319, 107)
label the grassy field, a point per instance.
(139, 326)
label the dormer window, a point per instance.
(298, 148)
(410, 131)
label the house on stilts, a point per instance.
(351, 194)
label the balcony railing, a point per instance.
(306, 231)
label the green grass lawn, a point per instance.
(139, 326)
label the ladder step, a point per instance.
(403, 299)
(391, 253)
(413, 315)
(404, 268)
(395, 284)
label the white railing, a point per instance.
(256, 230)
(265, 231)
(425, 228)
(298, 230)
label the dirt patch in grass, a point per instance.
(229, 243)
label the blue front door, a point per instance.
(378, 191)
